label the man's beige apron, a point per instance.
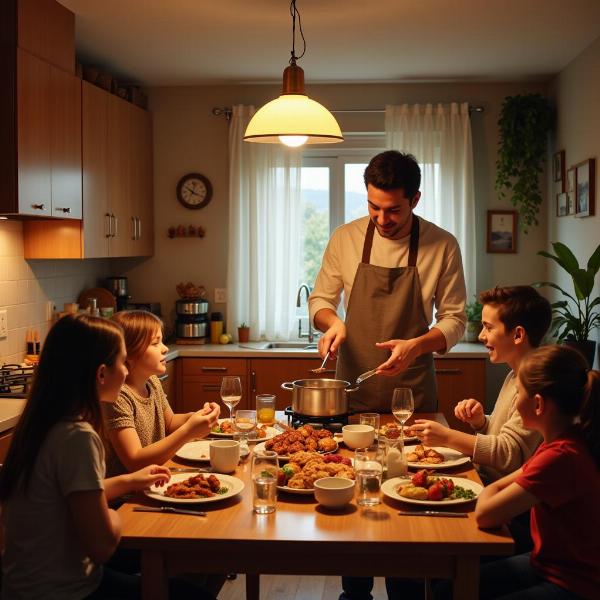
(386, 304)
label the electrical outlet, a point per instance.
(220, 295)
(3, 324)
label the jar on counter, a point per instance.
(216, 327)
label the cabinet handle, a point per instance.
(115, 222)
(220, 369)
(253, 382)
(448, 371)
(163, 377)
(139, 228)
(134, 229)
(38, 206)
(211, 388)
(108, 227)
(66, 209)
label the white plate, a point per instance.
(452, 458)
(260, 448)
(390, 486)
(233, 484)
(198, 450)
(271, 433)
(299, 492)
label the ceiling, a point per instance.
(187, 42)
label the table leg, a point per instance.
(252, 586)
(466, 578)
(155, 584)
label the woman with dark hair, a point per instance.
(58, 526)
(559, 397)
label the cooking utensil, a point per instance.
(190, 469)
(319, 397)
(364, 376)
(322, 367)
(169, 510)
(433, 513)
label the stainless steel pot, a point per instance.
(191, 330)
(191, 307)
(319, 397)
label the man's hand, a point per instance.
(403, 354)
(431, 433)
(470, 411)
(332, 339)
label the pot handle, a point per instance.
(287, 385)
(350, 390)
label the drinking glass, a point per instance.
(368, 467)
(245, 423)
(265, 409)
(372, 419)
(265, 466)
(403, 406)
(231, 392)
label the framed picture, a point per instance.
(558, 168)
(502, 231)
(571, 191)
(585, 188)
(561, 204)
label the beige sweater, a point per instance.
(439, 265)
(503, 444)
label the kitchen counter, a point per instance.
(10, 411)
(260, 350)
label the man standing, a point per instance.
(393, 267)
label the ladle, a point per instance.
(322, 367)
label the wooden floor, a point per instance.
(291, 587)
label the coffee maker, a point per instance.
(118, 287)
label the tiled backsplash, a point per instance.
(27, 288)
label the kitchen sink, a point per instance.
(300, 345)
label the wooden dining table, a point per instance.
(303, 538)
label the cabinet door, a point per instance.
(65, 144)
(195, 391)
(458, 379)
(5, 440)
(96, 215)
(267, 375)
(33, 133)
(169, 383)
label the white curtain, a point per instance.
(264, 233)
(440, 139)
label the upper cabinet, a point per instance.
(40, 111)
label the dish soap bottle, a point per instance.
(216, 327)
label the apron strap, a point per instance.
(366, 255)
(414, 242)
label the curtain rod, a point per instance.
(226, 111)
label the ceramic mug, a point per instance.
(224, 455)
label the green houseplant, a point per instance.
(243, 333)
(523, 126)
(473, 310)
(577, 316)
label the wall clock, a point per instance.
(194, 190)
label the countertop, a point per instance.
(260, 350)
(10, 411)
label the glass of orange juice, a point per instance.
(265, 409)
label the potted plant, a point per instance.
(473, 310)
(243, 333)
(577, 316)
(524, 124)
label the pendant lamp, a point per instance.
(293, 119)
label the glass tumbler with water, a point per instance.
(265, 466)
(231, 392)
(368, 467)
(372, 419)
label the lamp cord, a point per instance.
(294, 11)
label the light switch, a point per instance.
(220, 295)
(3, 324)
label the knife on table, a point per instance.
(433, 513)
(190, 469)
(169, 510)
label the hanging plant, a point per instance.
(524, 124)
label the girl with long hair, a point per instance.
(54, 495)
(559, 396)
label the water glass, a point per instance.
(265, 466)
(372, 419)
(245, 423)
(368, 467)
(265, 409)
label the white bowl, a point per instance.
(334, 492)
(358, 436)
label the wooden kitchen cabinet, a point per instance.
(267, 375)
(201, 382)
(5, 440)
(170, 381)
(458, 379)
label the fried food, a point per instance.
(414, 492)
(424, 455)
(310, 466)
(197, 486)
(303, 439)
(327, 444)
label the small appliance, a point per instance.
(119, 289)
(191, 324)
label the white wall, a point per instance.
(576, 93)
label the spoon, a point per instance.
(322, 367)
(363, 376)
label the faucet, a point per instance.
(310, 334)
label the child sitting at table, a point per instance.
(58, 527)
(141, 426)
(558, 396)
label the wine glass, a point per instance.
(245, 423)
(231, 392)
(403, 406)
